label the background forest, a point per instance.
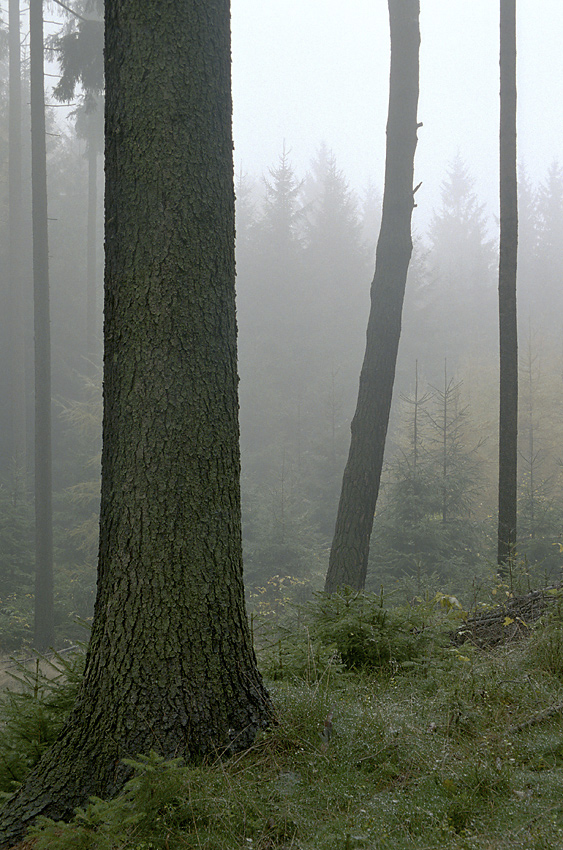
(305, 259)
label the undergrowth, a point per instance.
(388, 737)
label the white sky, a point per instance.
(317, 70)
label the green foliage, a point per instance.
(425, 529)
(16, 541)
(368, 635)
(16, 621)
(545, 647)
(429, 759)
(353, 631)
(33, 710)
(459, 754)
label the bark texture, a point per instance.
(170, 665)
(44, 629)
(508, 420)
(360, 485)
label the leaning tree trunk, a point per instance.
(44, 607)
(170, 665)
(508, 423)
(360, 485)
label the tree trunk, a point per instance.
(170, 665)
(360, 485)
(44, 619)
(508, 422)
(91, 253)
(17, 341)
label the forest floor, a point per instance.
(458, 748)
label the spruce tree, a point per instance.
(170, 665)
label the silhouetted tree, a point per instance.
(79, 50)
(44, 595)
(335, 256)
(548, 276)
(170, 665)
(459, 273)
(508, 330)
(360, 486)
(18, 447)
(426, 528)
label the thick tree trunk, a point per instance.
(508, 423)
(16, 323)
(44, 608)
(170, 666)
(360, 485)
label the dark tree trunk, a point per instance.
(360, 485)
(16, 323)
(170, 665)
(91, 246)
(508, 423)
(44, 619)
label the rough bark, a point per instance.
(508, 421)
(170, 665)
(44, 604)
(360, 485)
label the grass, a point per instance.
(450, 749)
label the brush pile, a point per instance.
(509, 621)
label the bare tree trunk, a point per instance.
(17, 342)
(91, 244)
(44, 621)
(360, 485)
(170, 666)
(508, 423)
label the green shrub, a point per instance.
(545, 648)
(167, 806)
(32, 714)
(368, 635)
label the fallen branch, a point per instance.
(506, 622)
(537, 718)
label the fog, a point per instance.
(310, 89)
(318, 71)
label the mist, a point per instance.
(310, 90)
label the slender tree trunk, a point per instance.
(44, 621)
(170, 665)
(17, 342)
(91, 252)
(508, 423)
(360, 485)
(445, 446)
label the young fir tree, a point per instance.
(335, 259)
(548, 290)
(403, 537)
(539, 509)
(530, 295)
(459, 273)
(426, 530)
